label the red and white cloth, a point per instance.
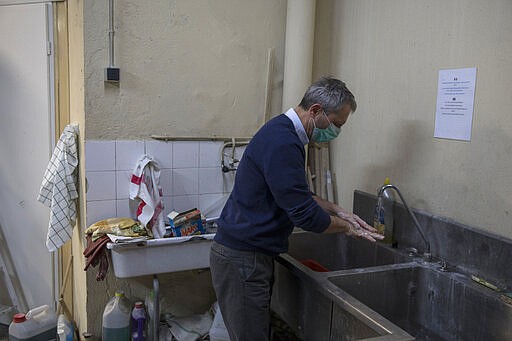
(145, 186)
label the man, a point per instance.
(271, 197)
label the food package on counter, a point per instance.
(185, 223)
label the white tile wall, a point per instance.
(212, 204)
(168, 204)
(99, 210)
(190, 176)
(228, 180)
(209, 154)
(127, 208)
(166, 181)
(161, 152)
(101, 185)
(100, 156)
(184, 202)
(185, 154)
(123, 184)
(127, 154)
(210, 180)
(185, 181)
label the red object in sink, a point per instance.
(314, 265)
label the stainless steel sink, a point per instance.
(307, 301)
(336, 251)
(374, 292)
(430, 304)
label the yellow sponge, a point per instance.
(485, 283)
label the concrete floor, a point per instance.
(280, 331)
(4, 332)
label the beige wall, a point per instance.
(389, 53)
(198, 68)
(188, 68)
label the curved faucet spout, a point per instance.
(411, 213)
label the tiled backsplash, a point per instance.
(190, 176)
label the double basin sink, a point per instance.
(333, 287)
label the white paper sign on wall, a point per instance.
(455, 99)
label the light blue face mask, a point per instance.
(327, 134)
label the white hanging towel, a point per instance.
(59, 191)
(145, 185)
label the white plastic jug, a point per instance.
(116, 319)
(39, 324)
(64, 329)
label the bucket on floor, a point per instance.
(39, 324)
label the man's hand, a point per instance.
(358, 227)
(349, 223)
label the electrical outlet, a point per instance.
(112, 74)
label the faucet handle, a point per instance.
(427, 256)
(412, 251)
(444, 266)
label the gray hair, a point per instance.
(330, 93)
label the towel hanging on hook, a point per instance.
(59, 190)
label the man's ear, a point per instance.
(315, 110)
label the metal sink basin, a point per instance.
(302, 297)
(430, 304)
(370, 291)
(374, 292)
(335, 251)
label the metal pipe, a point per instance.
(233, 145)
(195, 138)
(268, 86)
(299, 46)
(156, 304)
(411, 213)
(111, 32)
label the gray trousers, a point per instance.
(243, 283)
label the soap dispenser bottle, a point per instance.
(378, 217)
(383, 215)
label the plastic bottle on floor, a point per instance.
(116, 319)
(138, 322)
(64, 329)
(38, 324)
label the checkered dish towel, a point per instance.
(145, 185)
(58, 189)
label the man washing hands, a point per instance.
(351, 224)
(271, 197)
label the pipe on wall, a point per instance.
(111, 33)
(298, 56)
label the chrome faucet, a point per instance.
(427, 255)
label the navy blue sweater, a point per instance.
(271, 194)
